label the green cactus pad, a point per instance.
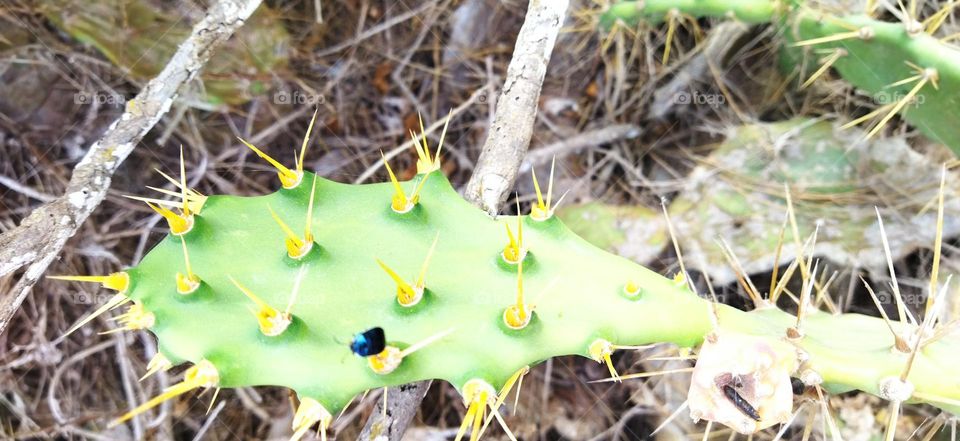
(874, 64)
(576, 287)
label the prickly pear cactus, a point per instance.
(271, 290)
(903, 64)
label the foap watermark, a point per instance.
(297, 97)
(99, 98)
(699, 99)
(908, 299)
(89, 298)
(891, 98)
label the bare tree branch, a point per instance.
(402, 405)
(496, 171)
(512, 128)
(41, 236)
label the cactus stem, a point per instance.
(825, 66)
(271, 321)
(114, 302)
(203, 374)
(158, 363)
(296, 248)
(135, 318)
(179, 224)
(289, 179)
(864, 33)
(518, 315)
(310, 412)
(189, 282)
(543, 210)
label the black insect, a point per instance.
(731, 384)
(797, 385)
(740, 403)
(369, 342)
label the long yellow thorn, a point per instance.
(937, 244)
(827, 63)
(183, 185)
(203, 374)
(421, 278)
(310, 412)
(288, 178)
(406, 294)
(308, 229)
(929, 75)
(399, 202)
(118, 281)
(296, 247)
(158, 363)
(425, 342)
(643, 375)
(178, 224)
(672, 15)
(933, 22)
(271, 321)
(864, 33)
(114, 302)
(189, 282)
(899, 342)
(306, 140)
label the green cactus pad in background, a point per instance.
(139, 38)
(835, 182)
(921, 85)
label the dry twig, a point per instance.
(509, 135)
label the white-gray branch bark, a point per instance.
(40, 237)
(516, 111)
